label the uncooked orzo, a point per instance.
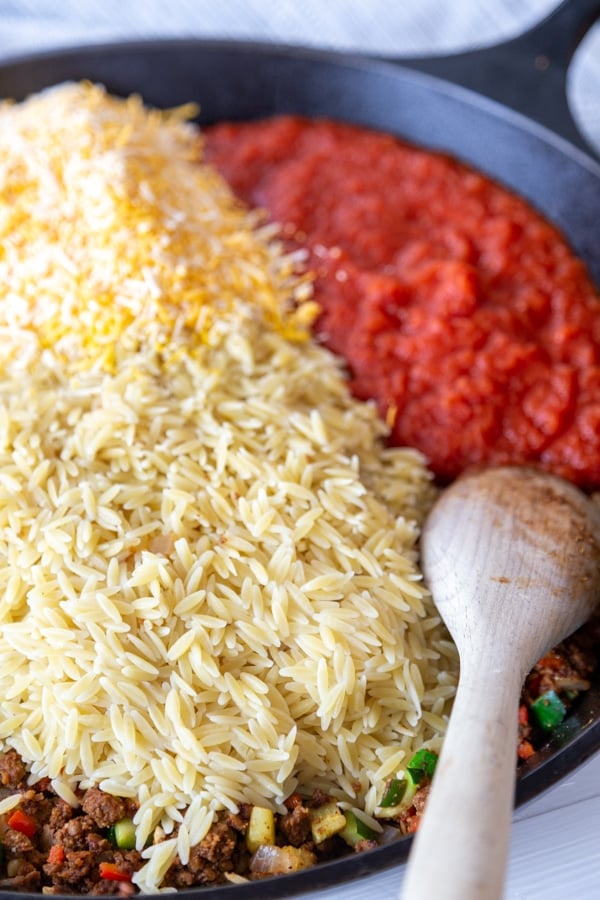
(209, 589)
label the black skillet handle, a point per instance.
(527, 73)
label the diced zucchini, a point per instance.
(261, 828)
(404, 790)
(394, 792)
(122, 834)
(356, 830)
(399, 792)
(422, 765)
(325, 821)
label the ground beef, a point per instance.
(69, 844)
(239, 821)
(15, 843)
(295, 825)
(76, 867)
(218, 846)
(25, 878)
(365, 844)
(81, 834)
(209, 860)
(567, 670)
(320, 798)
(103, 808)
(408, 821)
(13, 772)
(331, 848)
(555, 672)
(583, 647)
(77, 833)
(61, 813)
(38, 806)
(79, 872)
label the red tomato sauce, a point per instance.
(458, 309)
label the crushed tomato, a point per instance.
(457, 307)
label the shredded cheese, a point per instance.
(161, 249)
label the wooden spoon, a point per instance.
(512, 557)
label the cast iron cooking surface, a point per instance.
(245, 81)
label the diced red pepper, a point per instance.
(56, 855)
(112, 872)
(20, 821)
(526, 749)
(523, 715)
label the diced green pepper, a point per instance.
(422, 765)
(356, 830)
(548, 710)
(122, 834)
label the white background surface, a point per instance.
(555, 850)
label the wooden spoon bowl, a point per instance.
(512, 557)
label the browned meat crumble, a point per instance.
(69, 846)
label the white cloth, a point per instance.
(386, 27)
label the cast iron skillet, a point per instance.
(524, 137)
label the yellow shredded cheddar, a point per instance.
(114, 234)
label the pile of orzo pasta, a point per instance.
(209, 591)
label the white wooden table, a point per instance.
(555, 849)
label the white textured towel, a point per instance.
(386, 27)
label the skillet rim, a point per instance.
(552, 763)
(409, 67)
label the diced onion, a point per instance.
(271, 860)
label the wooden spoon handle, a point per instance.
(461, 847)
